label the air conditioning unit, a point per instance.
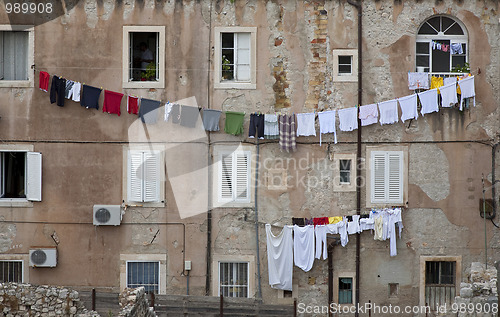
(43, 257)
(107, 215)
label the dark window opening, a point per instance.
(393, 289)
(144, 51)
(144, 274)
(345, 290)
(287, 294)
(345, 64)
(439, 283)
(228, 54)
(13, 172)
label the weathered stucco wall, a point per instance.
(83, 149)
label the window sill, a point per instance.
(16, 84)
(234, 204)
(234, 85)
(345, 78)
(145, 205)
(144, 84)
(16, 203)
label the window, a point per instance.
(146, 274)
(387, 177)
(144, 174)
(448, 33)
(393, 290)
(345, 290)
(143, 57)
(345, 171)
(234, 176)
(344, 179)
(16, 55)
(11, 271)
(440, 285)
(235, 57)
(345, 65)
(233, 279)
(20, 177)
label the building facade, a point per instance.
(252, 57)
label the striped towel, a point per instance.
(287, 133)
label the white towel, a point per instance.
(467, 90)
(305, 124)
(429, 101)
(348, 119)
(388, 112)
(368, 114)
(449, 80)
(280, 258)
(271, 128)
(418, 81)
(448, 95)
(327, 124)
(303, 247)
(408, 106)
(168, 109)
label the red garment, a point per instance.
(320, 221)
(133, 105)
(44, 81)
(112, 101)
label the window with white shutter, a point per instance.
(144, 176)
(16, 55)
(235, 60)
(386, 173)
(234, 177)
(20, 176)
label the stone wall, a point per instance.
(33, 300)
(134, 303)
(479, 291)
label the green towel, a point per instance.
(234, 122)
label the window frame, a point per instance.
(161, 172)
(429, 38)
(32, 180)
(425, 259)
(233, 84)
(138, 261)
(337, 277)
(217, 258)
(344, 77)
(126, 82)
(339, 186)
(142, 257)
(403, 150)
(234, 263)
(30, 82)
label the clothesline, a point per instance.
(302, 245)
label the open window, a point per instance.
(441, 45)
(20, 177)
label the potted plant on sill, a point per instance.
(150, 73)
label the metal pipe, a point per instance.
(484, 218)
(358, 152)
(93, 299)
(259, 289)
(209, 163)
(493, 179)
(221, 306)
(330, 273)
(187, 283)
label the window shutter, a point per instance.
(135, 176)
(226, 177)
(34, 176)
(395, 177)
(378, 177)
(1, 56)
(243, 57)
(242, 177)
(152, 176)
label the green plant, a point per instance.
(150, 72)
(461, 69)
(226, 68)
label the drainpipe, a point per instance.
(358, 6)
(209, 164)
(330, 273)
(493, 179)
(259, 289)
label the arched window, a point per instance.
(441, 45)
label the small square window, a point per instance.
(345, 171)
(393, 289)
(233, 279)
(11, 271)
(345, 65)
(345, 290)
(287, 294)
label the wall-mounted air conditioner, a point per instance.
(43, 257)
(107, 215)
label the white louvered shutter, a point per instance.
(152, 176)
(378, 177)
(243, 56)
(395, 177)
(226, 177)
(135, 176)
(242, 177)
(34, 176)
